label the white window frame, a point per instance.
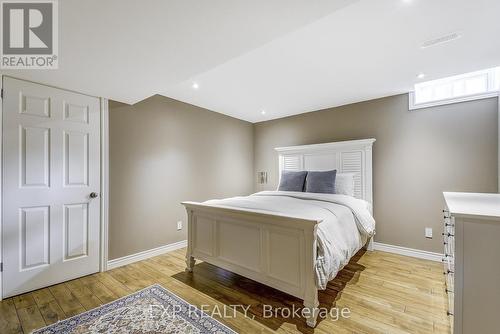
(492, 91)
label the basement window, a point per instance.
(458, 88)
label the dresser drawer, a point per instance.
(448, 235)
(449, 245)
(449, 226)
(449, 265)
(450, 285)
(451, 301)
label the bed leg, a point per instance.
(369, 245)
(311, 303)
(311, 311)
(190, 261)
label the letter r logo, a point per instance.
(27, 27)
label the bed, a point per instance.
(292, 241)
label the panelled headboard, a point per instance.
(354, 156)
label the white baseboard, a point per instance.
(115, 263)
(421, 254)
(122, 261)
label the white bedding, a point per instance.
(346, 223)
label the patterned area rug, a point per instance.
(149, 311)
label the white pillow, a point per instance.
(344, 184)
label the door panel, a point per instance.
(76, 230)
(76, 113)
(34, 237)
(51, 163)
(35, 160)
(76, 158)
(35, 105)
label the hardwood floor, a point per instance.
(385, 293)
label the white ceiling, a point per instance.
(286, 57)
(128, 50)
(367, 50)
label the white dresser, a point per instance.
(472, 261)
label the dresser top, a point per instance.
(473, 205)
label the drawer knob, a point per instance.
(448, 272)
(448, 234)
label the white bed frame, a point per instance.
(273, 249)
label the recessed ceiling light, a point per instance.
(421, 75)
(263, 112)
(195, 85)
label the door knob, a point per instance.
(94, 195)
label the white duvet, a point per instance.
(346, 223)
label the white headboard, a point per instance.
(354, 156)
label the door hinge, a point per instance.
(1, 267)
(1, 93)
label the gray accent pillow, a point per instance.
(321, 182)
(292, 181)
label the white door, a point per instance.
(51, 185)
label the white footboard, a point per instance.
(276, 250)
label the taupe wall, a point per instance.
(417, 155)
(163, 152)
